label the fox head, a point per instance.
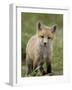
(45, 34)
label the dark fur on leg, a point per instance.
(30, 68)
(49, 68)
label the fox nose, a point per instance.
(45, 43)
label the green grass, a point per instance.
(28, 27)
(58, 54)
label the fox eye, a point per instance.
(42, 36)
(49, 37)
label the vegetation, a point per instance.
(28, 28)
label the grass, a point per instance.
(58, 54)
(29, 28)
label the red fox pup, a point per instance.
(39, 49)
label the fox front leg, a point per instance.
(49, 66)
(29, 65)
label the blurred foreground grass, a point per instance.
(28, 28)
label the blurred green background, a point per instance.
(28, 28)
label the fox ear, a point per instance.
(54, 28)
(39, 26)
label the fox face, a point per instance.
(45, 34)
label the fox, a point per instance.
(39, 49)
